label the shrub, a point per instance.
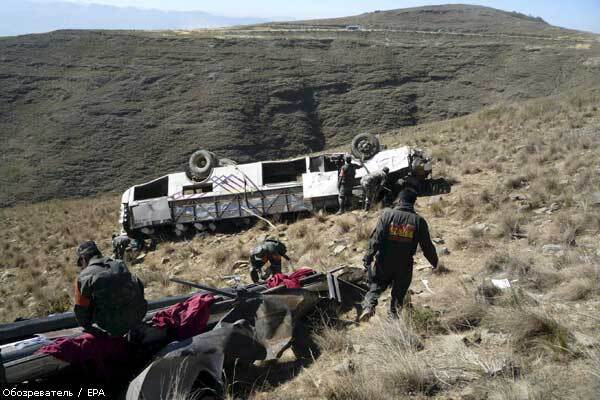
(332, 339)
(532, 330)
(346, 222)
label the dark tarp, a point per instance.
(259, 328)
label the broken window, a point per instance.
(201, 188)
(283, 171)
(333, 163)
(151, 190)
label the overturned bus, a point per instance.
(212, 191)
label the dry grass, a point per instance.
(532, 331)
(529, 149)
(390, 366)
(581, 282)
(502, 363)
(346, 223)
(37, 251)
(333, 339)
(503, 262)
(465, 314)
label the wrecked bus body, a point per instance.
(242, 325)
(211, 192)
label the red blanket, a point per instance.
(95, 355)
(99, 355)
(291, 281)
(185, 319)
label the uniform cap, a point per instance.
(87, 249)
(408, 195)
(386, 170)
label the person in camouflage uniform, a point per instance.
(107, 294)
(271, 251)
(120, 244)
(346, 176)
(373, 184)
(393, 244)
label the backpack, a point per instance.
(117, 297)
(279, 246)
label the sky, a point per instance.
(575, 14)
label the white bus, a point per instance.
(211, 192)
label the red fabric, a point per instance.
(185, 319)
(291, 281)
(89, 352)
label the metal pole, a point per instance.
(207, 288)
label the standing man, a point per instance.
(271, 251)
(346, 183)
(393, 244)
(107, 294)
(373, 184)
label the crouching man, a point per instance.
(373, 184)
(393, 244)
(270, 251)
(107, 294)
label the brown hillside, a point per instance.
(525, 208)
(451, 18)
(84, 112)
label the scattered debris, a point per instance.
(595, 199)
(553, 249)
(425, 283)
(438, 240)
(339, 249)
(239, 264)
(443, 251)
(501, 283)
(479, 229)
(357, 348)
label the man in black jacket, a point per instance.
(346, 176)
(393, 244)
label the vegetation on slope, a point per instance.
(523, 209)
(85, 112)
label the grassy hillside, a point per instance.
(85, 112)
(458, 18)
(524, 208)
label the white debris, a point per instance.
(425, 283)
(338, 249)
(595, 199)
(501, 283)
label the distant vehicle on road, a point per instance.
(212, 192)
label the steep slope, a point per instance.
(525, 208)
(83, 112)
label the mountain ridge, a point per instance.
(25, 17)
